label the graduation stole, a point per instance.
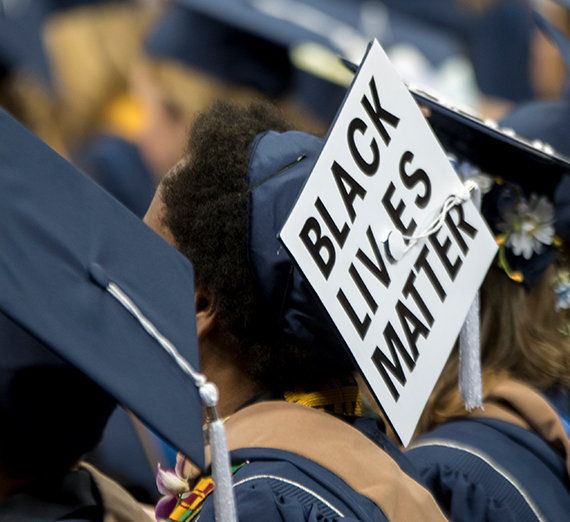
(189, 507)
(341, 397)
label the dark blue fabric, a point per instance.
(279, 165)
(119, 168)
(222, 50)
(498, 42)
(21, 46)
(470, 490)
(549, 122)
(121, 456)
(234, 40)
(56, 226)
(290, 503)
(270, 499)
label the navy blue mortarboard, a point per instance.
(118, 167)
(549, 121)
(235, 41)
(497, 38)
(524, 166)
(531, 171)
(496, 149)
(89, 280)
(262, 43)
(279, 166)
(21, 45)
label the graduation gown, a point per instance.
(305, 465)
(507, 463)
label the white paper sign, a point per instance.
(382, 170)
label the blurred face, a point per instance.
(163, 137)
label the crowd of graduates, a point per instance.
(199, 121)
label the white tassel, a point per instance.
(469, 381)
(224, 500)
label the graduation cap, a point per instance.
(64, 242)
(496, 148)
(498, 39)
(531, 170)
(21, 44)
(238, 42)
(549, 122)
(278, 169)
(529, 165)
(91, 282)
(279, 46)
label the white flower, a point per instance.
(529, 226)
(467, 171)
(484, 181)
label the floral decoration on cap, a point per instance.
(523, 225)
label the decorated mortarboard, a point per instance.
(521, 165)
(92, 282)
(387, 236)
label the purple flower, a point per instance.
(170, 484)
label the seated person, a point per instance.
(263, 338)
(509, 460)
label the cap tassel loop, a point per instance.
(469, 380)
(224, 499)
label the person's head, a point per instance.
(523, 300)
(203, 208)
(196, 55)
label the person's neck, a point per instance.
(234, 385)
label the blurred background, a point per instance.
(113, 86)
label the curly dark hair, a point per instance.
(206, 209)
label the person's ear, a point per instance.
(206, 316)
